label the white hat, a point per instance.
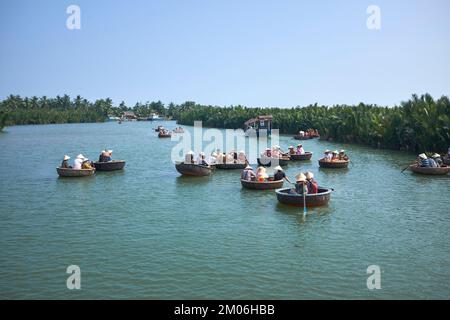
(66, 157)
(300, 177)
(85, 159)
(291, 147)
(110, 151)
(278, 168)
(190, 152)
(309, 175)
(214, 154)
(268, 149)
(436, 155)
(80, 156)
(202, 153)
(242, 152)
(341, 151)
(327, 151)
(335, 151)
(423, 156)
(248, 167)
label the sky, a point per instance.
(226, 52)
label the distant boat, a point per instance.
(154, 116)
(113, 118)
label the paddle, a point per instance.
(304, 201)
(405, 169)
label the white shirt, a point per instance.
(77, 164)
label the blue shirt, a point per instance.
(425, 163)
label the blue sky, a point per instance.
(255, 53)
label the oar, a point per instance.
(304, 201)
(405, 168)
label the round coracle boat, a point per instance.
(164, 135)
(429, 171)
(269, 162)
(230, 166)
(73, 173)
(299, 137)
(335, 164)
(289, 197)
(301, 157)
(193, 169)
(110, 165)
(266, 185)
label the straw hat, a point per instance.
(202, 153)
(85, 159)
(291, 147)
(66, 157)
(309, 175)
(190, 152)
(242, 152)
(436, 155)
(110, 151)
(278, 168)
(422, 156)
(248, 167)
(214, 154)
(80, 156)
(335, 152)
(327, 151)
(268, 149)
(300, 177)
(342, 151)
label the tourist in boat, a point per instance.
(280, 174)
(78, 162)
(86, 164)
(300, 149)
(311, 184)
(437, 159)
(334, 155)
(241, 157)
(219, 157)
(342, 155)
(291, 150)
(276, 152)
(189, 157)
(268, 153)
(424, 161)
(300, 184)
(261, 174)
(213, 158)
(65, 163)
(248, 174)
(301, 133)
(201, 159)
(327, 155)
(105, 156)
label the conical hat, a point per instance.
(300, 177)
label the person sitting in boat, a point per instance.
(248, 174)
(300, 184)
(78, 162)
(261, 174)
(268, 153)
(342, 155)
(276, 152)
(335, 155)
(213, 158)
(437, 159)
(291, 150)
(300, 149)
(424, 161)
(65, 163)
(301, 133)
(201, 160)
(86, 164)
(311, 184)
(189, 157)
(241, 157)
(327, 156)
(280, 174)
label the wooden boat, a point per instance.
(299, 137)
(267, 162)
(266, 185)
(110, 165)
(336, 164)
(312, 200)
(230, 166)
(193, 169)
(301, 157)
(429, 171)
(164, 135)
(69, 172)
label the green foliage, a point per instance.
(419, 124)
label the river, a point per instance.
(148, 233)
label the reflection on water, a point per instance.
(147, 232)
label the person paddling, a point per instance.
(65, 162)
(280, 175)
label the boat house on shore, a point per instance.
(254, 125)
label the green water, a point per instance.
(148, 233)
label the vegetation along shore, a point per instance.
(418, 124)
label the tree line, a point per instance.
(418, 124)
